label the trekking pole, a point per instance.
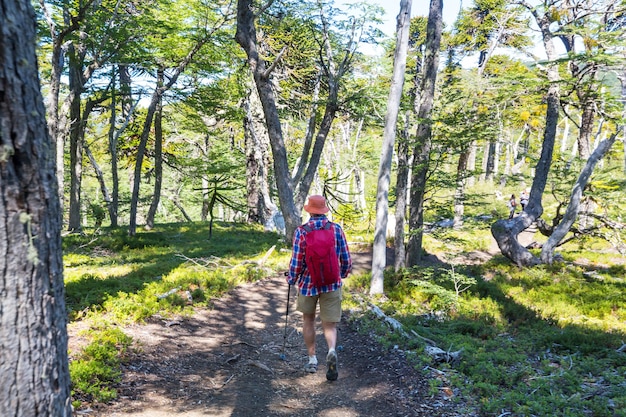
(282, 355)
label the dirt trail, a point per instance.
(225, 361)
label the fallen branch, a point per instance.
(233, 359)
(438, 354)
(167, 294)
(261, 261)
(206, 263)
(395, 324)
(260, 365)
(228, 380)
(425, 339)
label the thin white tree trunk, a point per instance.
(379, 257)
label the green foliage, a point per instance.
(536, 341)
(95, 369)
(113, 279)
(123, 276)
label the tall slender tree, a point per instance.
(422, 148)
(403, 26)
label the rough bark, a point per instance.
(246, 37)
(421, 151)
(402, 184)
(33, 336)
(260, 207)
(158, 165)
(76, 139)
(403, 24)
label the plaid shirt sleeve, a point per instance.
(296, 266)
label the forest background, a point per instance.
(165, 112)
(157, 118)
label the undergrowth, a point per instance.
(112, 279)
(542, 341)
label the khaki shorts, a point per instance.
(330, 305)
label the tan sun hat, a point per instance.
(316, 205)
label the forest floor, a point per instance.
(227, 360)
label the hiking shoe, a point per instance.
(310, 368)
(331, 366)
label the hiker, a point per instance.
(523, 199)
(511, 204)
(328, 295)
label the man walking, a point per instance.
(319, 279)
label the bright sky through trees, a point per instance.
(418, 8)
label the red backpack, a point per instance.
(320, 255)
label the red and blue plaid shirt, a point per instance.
(298, 272)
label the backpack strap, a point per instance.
(307, 228)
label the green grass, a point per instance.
(537, 341)
(112, 279)
(96, 368)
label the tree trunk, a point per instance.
(421, 151)
(586, 129)
(402, 182)
(547, 250)
(565, 134)
(471, 162)
(389, 136)
(141, 151)
(490, 157)
(112, 203)
(310, 131)
(33, 336)
(260, 207)
(175, 199)
(76, 140)
(100, 177)
(158, 165)
(56, 70)
(247, 38)
(253, 163)
(359, 176)
(334, 73)
(505, 231)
